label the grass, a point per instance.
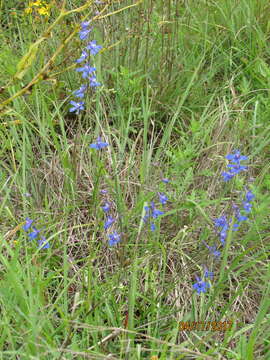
(184, 83)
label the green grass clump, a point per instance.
(183, 84)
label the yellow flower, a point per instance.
(37, 3)
(28, 10)
(44, 11)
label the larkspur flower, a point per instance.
(81, 92)
(83, 57)
(93, 82)
(156, 213)
(84, 32)
(236, 168)
(43, 244)
(151, 212)
(114, 238)
(147, 213)
(77, 106)
(200, 286)
(152, 226)
(240, 217)
(85, 24)
(236, 157)
(208, 274)
(165, 180)
(249, 196)
(86, 70)
(227, 176)
(163, 198)
(223, 236)
(221, 222)
(213, 250)
(109, 221)
(106, 207)
(93, 47)
(34, 234)
(28, 224)
(247, 206)
(99, 144)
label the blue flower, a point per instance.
(221, 222)
(93, 47)
(99, 144)
(236, 168)
(43, 244)
(77, 106)
(84, 33)
(213, 250)
(85, 24)
(249, 196)
(162, 198)
(110, 220)
(155, 212)
(165, 180)
(236, 157)
(114, 238)
(28, 224)
(81, 92)
(152, 226)
(223, 236)
(83, 57)
(241, 218)
(85, 30)
(93, 81)
(106, 207)
(208, 274)
(200, 285)
(227, 176)
(247, 206)
(86, 70)
(32, 235)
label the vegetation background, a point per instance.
(184, 83)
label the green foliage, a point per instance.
(184, 82)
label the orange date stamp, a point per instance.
(221, 326)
